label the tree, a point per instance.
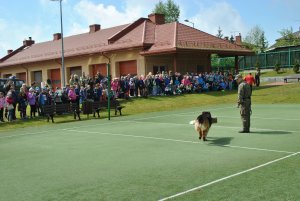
(231, 39)
(288, 38)
(256, 40)
(169, 9)
(277, 67)
(263, 42)
(220, 34)
(218, 63)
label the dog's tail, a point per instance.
(192, 122)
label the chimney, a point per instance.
(94, 28)
(238, 39)
(9, 51)
(28, 42)
(157, 18)
(56, 36)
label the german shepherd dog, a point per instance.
(203, 124)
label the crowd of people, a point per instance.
(83, 88)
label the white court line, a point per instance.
(26, 134)
(259, 129)
(252, 117)
(284, 119)
(180, 114)
(228, 177)
(167, 115)
(258, 149)
(174, 140)
(83, 126)
(264, 118)
(230, 127)
(53, 130)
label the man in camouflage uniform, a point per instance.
(244, 102)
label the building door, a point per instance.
(21, 76)
(128, 67)
(37, 77)
(7, 75)
(101, 68)
(55, 78)
(76, 70)
(200, 69)
(158, 69)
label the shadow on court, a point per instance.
(271, 132)
(219, 141)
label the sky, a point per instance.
(40, 19)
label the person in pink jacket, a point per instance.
(72, 94)
(75, 104)
(2, 106)
(115, 87)
(9, 105)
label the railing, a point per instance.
(285, 59)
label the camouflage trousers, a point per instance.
(245, 115)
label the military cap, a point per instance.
(238, 76)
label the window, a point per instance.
(158, 69)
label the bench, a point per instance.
(48, 111)
(66, 108)
(93, 107)
(288, 78)
(114, 105)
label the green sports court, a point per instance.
(156, 156)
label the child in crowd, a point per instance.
(131, 87)
(31, 97)
(9, 105)
(22, 100)
(2, 106)
(82, 94)
(73, 97)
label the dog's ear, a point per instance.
(206, 113)
(199, 117)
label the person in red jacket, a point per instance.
(250, 80)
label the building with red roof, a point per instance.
(146, 45)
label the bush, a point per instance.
(277, 67)
(296, 67)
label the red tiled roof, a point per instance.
(188, 38)
(164, 39)
(73, 45)
(144, 34)
(149, 32)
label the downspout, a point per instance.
(63, 74)
(108, 84)
(26, 73)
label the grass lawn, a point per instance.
(281, 73)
